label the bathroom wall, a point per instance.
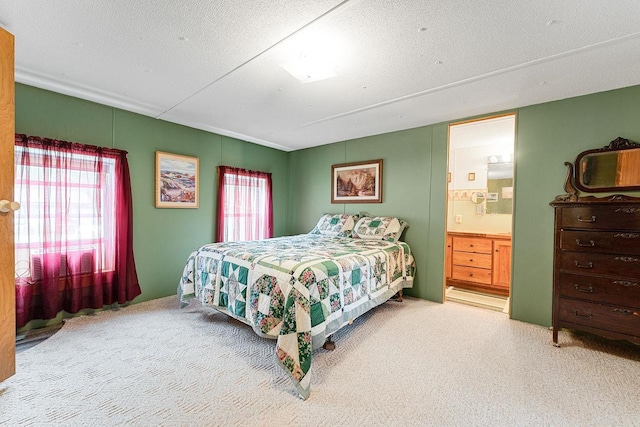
(463, 215)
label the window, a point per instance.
(78, 195)
(73, 232)
(244, 205)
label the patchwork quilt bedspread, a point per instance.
(297, 289)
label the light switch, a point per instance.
(458, 219)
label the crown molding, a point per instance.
(47, 82)
(173, 118)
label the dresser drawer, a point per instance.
(600, 289)
(471, 244)
(602, 264)
(471, 274)
(615, 217)
(607, 317)
(471, 259)
(601, 241)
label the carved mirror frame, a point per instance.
(574, 178)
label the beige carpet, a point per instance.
(411, 363)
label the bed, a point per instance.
(301, 289)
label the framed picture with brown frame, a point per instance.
(176, 181)
(357, 182)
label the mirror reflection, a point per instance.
(477, 197)
(608, 170)
(500, 188)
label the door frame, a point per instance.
(7, 264)
(448, 244)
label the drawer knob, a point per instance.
(588, 290)
(588, 316)
(586, 245)
(587, 265)
(592, 219)
(625, 283)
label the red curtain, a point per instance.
(74, 230)
(245, 205)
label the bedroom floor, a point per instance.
(34, 337)
(462, 296)
(477, 299)
(197, 367)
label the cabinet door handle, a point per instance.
(592, 219)
(588, 316)
(585, 245)
(588, 290)
(622, 311)
(587, 265)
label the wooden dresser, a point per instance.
(596, 281)
(479, 262)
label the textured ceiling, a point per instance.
(216, 65)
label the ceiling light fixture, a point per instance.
(308, 70)
(316, 57)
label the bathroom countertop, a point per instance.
(479, 234)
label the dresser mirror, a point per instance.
(615, 167)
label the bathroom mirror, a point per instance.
(611, 168)
(500, 188)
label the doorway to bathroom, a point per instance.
(480, 212)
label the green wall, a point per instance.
(415, 161)
(163, 238)
(414, 181)
(547, 136)
(412, 189)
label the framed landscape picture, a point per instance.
(176, 181)
(357, 182)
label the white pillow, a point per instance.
(339, 225)
(379, 228)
